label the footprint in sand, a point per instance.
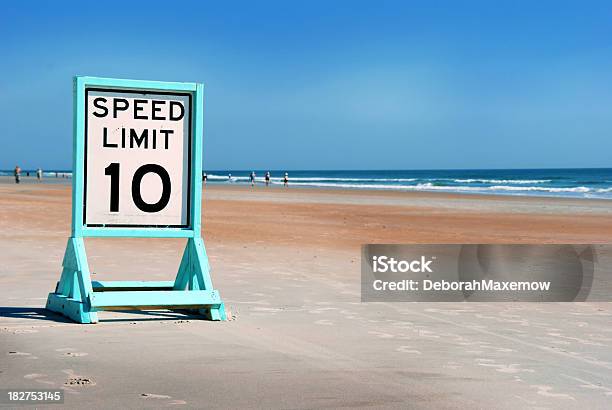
(177, 402)
(546, 392)
(407, 349)
(258, 294)
(348, 314)
(321, 310)
(75, 380)
(559, 342)
(497, 349)
(162, 397)
(33, 376)
(585, 384)
(266, 310)
(382, 335)
(70, 352)
(39, 378)
(23, 354)
(75, 354)
(507, 368)
(24, 331)
(429, 334)
(503, 368)
(79, 381)
(452, 365)
(154, 396)
(324, 322)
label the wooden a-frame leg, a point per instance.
(71, 296)
(194, 274)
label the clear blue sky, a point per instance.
(328, 85)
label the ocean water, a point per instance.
(576, 183)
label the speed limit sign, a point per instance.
(137, 161)
(138, 158)
(137, 172)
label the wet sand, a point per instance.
(287, 264)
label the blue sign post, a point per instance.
(137, 166)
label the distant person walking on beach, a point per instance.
(39, 174)
(267, 178)
(17, 174)
(286, 180)
(204, 178)
(252, 178)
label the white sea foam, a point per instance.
(538, 188)
(432, 187)
(517, 190)
(503, 181)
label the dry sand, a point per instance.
(287, 264)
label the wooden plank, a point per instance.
(214, 312)
(143, 84)
(196, 175)
(201, 268)
(71, 308)
(83, 274)
(182, 277)
(78, 154)
(155, 298)
(137, 232)
(120, 285)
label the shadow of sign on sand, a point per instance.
(42, 314)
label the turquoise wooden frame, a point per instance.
(76, 295)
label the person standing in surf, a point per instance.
(17, 174)
(252, 178)
(267, 178)
(39, 174)
(286, 180)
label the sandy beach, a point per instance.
(286, 262)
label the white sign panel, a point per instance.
(137, 158)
